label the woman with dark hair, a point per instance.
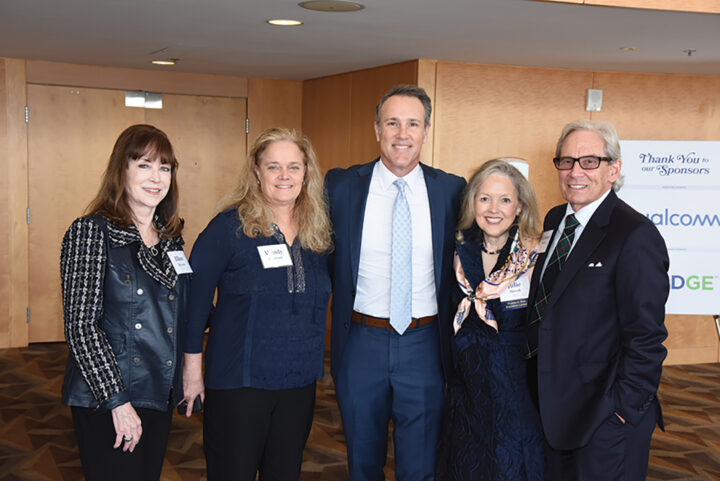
(266, 254)
(124, 285)
(491, 430)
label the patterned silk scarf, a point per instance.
(520, 262)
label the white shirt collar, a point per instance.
(414, 179)
(584, 214)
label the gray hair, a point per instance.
(606, 131)
(406, 90)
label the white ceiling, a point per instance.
(231, 36)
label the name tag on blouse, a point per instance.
(180, 262)
(276, 255)
(545, 241)
(516, 295)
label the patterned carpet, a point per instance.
(37, 442)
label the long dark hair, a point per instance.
(111, 200)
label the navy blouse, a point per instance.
(267, 329)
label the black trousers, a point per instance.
(95, 435)
(616, 451)
(249, 430)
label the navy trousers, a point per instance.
(616, 451)
(384, 376)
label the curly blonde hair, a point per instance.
(310, 211)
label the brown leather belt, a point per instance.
(385, 323)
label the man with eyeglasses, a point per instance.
(596, 328)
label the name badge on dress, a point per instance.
(276, 255)
(545, 239)
(180, 262)
(516, 294)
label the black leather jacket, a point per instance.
(143, 321)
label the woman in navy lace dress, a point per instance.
(491, 429)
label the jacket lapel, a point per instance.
(592, 235)
(358, 193)
(437, 200)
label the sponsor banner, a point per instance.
(693, 289)
(676, 184)
(683, 164)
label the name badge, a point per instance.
(545, 239)
(180, 262)
(276, 255)
(516, 295)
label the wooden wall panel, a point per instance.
(13, 202)
(368, 87)
(208, 135)
(660, 106)
(668, 107)
(326, 119)
(56, 73)
(486, 111)
(5, 197)
(426, 77)
(273, 103)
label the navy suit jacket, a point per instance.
(600, 339)
(347, 191)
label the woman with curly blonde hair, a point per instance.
(266, 254)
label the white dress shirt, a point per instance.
(583, 217)
(373, 284)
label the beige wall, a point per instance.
(486, 111)
(270, 102)
(273, 103)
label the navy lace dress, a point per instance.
(491, 429)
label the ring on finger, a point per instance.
(127, 439)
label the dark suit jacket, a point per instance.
(600, 339)
(347, 191)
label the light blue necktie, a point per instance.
(401, 273)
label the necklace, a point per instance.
(490, 253)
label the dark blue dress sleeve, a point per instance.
(209, 259)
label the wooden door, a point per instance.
(71, 133)
(70, 136)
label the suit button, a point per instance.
(138, 326)
(347, 325)
(136, 360)
(168, 363)
(171, 297)
(169, 330)
(139, 292)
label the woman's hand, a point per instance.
(128, 427)
(193, 385)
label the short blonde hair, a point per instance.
(528, 220)
(310, 211)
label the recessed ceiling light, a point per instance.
(628, 49)
(284, 22)
(171, 61)
(331, 6)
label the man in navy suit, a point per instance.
(391, 317)
(597, 325)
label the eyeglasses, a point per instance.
(588, 162)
